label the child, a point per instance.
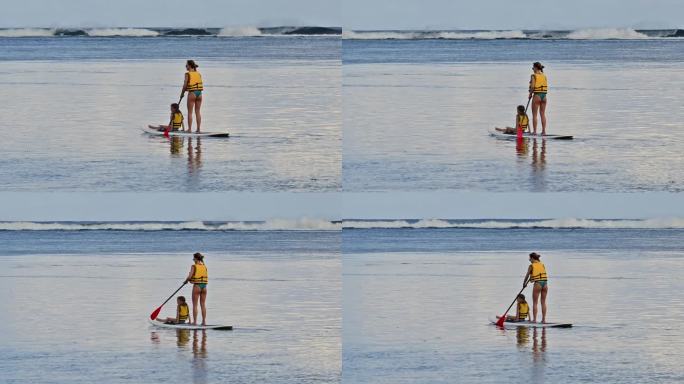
(522, 311)
(182, 313)
(176, 123)
(521, 123)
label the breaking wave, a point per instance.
(246, 31)
(268, 225)
(569, 223)
(580, 34)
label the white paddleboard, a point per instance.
(513, 136)
(155, 132)
(530, 324)
(217, 327)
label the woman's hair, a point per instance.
(521, 296)
(535, 255)
(182, 299)
(521, 109)
(198, 256)
(193, 65)
(538, 65)
(175, 107)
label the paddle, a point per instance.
(501, 320)
(155, 313)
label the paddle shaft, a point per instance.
(514, 300)
(173, 294)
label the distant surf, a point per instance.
(268, 225)
(247, 31)
(579, 34)
(569, 223)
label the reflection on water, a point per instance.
(193, 151)
(537, 160)
(194, 156)
(184, 338)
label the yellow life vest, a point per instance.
(183, 312)
(538, 272)
(200, 276)
(194, 81)
(177, 121)
(523, 121)
(523, 311)
(541, 85)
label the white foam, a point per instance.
(661, 223)
(606, 33)
(417, 35)
(239, 31)
(269, 225)
(27, 32)
(132, 32)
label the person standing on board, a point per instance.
(539, 86)
(536, 273)
(199, 278)
(193, 85)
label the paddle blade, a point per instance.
(166, 133)
(500, 322)
(154, 314)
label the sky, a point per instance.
(246, 206)
(351, 14)
(508, 14)
(167, 13)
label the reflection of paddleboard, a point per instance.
(191, 326)
(154, 131)
(530, 324)
(501, 135)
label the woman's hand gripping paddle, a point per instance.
(155, 313)
(500, 322)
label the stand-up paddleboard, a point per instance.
(216, 327)
(530, 324)
(513, 136)
(155, 132)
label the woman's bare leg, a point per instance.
(195, 298)
(544, 291)
(535, 300)
(542, 113)
(535, 108)
(191, 108)
(198, 115)
(203, 299)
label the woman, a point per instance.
(193, 85)
(199, 278)
(536, 274)
(539, 86)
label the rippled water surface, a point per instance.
(73, 314)
(417, 115)
(421, 315)
(74, 119)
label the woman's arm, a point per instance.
(185, 84)
(192, 272)
(531, 86)
(527, 276)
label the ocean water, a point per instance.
(416, 304)
(79, 103)
(76, 304)
(418, 110)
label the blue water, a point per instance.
(76, 304)
(137, 48)
(417, 302)
(469, 51)
(417, 115)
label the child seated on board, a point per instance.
(182, 313)
(522, 311)
(522, 123)
(175, 123)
